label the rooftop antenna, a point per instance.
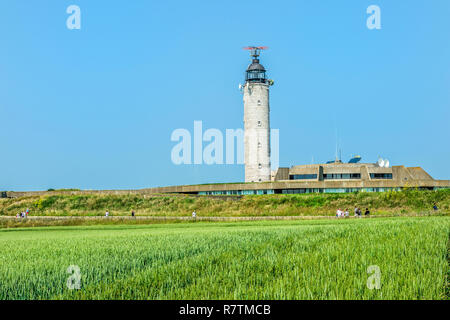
(336, 137)
(335, 153)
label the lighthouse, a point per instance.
(256, 120)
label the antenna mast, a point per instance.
(255, 51)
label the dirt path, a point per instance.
(183, 218)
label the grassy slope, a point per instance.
(252, 260)
(411, 201)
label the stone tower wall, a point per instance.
(256, 132)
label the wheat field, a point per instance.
(324, 259)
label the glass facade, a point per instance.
(237, 192)
(340, 190)
(297, 191)
(440, 188)
(381, 176)
(302, 176)
(329, 176)
(380, 189)
(334, 190)
(301, 190)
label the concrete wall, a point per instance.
(282, 174)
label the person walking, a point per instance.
(194, 215)
(107, 213)
(367, 213)
(132, 213)
(435, 208)
(346, 213)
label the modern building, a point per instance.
(335, 177)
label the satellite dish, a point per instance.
(380, 162)
(386, 163)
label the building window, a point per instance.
(302, 176)
(256, 76)
(259, 102)
(334, 190)
(331, 176)
(237, 192)
(260, 166)
(259, 123)
(381, 176)
(259, 144)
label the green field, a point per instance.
(408, 202)
(318, 259)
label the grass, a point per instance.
(317, 259)
(386, 203)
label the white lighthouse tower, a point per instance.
(256, 120)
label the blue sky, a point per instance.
(95, 108)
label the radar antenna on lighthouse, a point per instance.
(255, 51)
